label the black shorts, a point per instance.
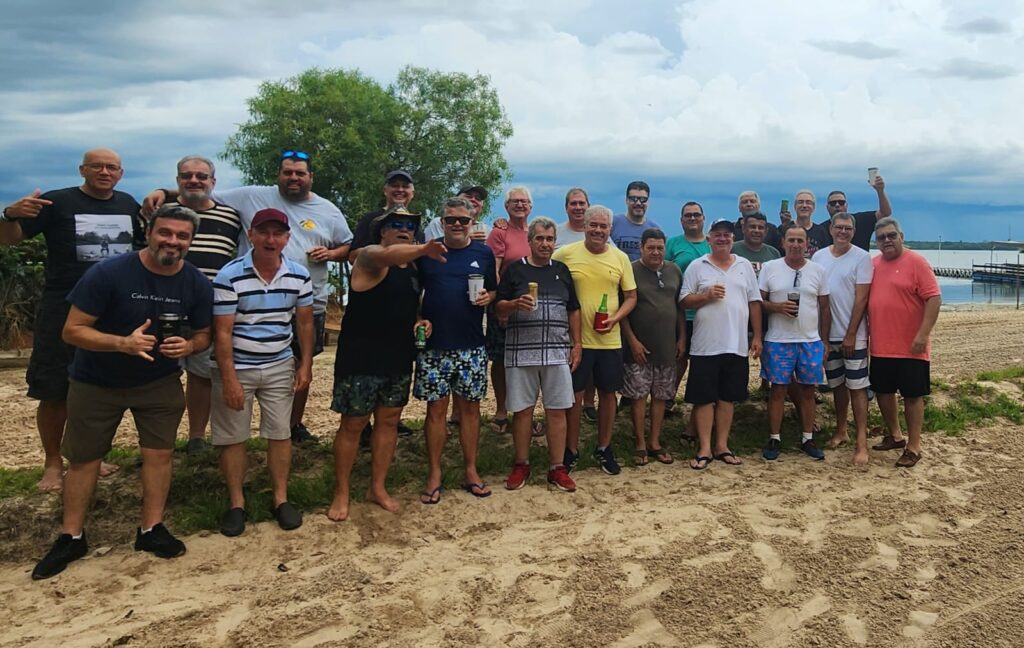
(606, 367)
(689, 336)
(47, 374)
(910, 377)
(717, 378)
(319, 322)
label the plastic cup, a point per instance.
(872, 175)
(476, 284)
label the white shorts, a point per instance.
(272, 387)
(522, 384)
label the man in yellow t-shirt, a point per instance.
(599, 272)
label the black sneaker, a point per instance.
(64, 551)
(196, 446)
(233, 522)
(569, 460)
(159, 542)
(771, 451)
(301, 435)
(606, 460)
(288, 517)
(590, 413)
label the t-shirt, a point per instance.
(314, 222)
(263, 311)
(653, 320)
(81, 230)
(564, 235)
(510, 245)
(456, 322)
(778, 280)
(758, 258)
(363, 235)
(627, 234)
(435, 229)
(683, 252)
(844, 274)
(216, 241)
(122, 294)
(896, 305)
(721, 326)
(539, 337)
(864, 223)
(594, 276)
(818, 238)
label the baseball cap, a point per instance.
(723, 223)
(398, 173)
(270, 215)
(474, 189)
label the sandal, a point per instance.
(640, 456)
(537, 428)
(477, 489)
(889, 443)
(661, 454)
(499, 425)
(728, 458)
(431, 497)
(700, 463)
(908, 459)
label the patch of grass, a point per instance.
(999, 375)
(21, 481)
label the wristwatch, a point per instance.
(4, 218)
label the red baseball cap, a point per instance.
(270, 215)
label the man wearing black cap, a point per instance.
(398, 190)
(476, 195)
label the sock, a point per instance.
(600, 449)
(556, 466)
(776, 437)
(145, 531)
(806, 436)
(79, 536)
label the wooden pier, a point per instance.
(1000, 273)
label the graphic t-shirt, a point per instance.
(845, 273)
(899, 291)
(626, 234)
(539, 337)
(122, 294)
(456, 322)
(778, 280)
(594, 276)
(654, 319)
(81, 230)
(757, 259)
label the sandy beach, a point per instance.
(789, 553)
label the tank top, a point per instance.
(377, 337)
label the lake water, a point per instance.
(965, 291)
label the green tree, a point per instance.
(445, 128)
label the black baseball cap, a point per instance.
(398, 173)
(480, 192)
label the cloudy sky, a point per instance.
(701, 98)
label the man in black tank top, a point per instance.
(376, 349)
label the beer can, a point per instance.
(534, 292)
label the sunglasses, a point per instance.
(891, 236)
(637, 199)
(836, 203)
(401, 224)
(693, 216)
(457, 220)
(188, 175)
(295, 155)
(661, 281)
(796, 279)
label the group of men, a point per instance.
(600, 302)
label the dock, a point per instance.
(999, 273)
(954, 273)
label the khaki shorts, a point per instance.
(272, 387)
(94, 413)
(199, 364)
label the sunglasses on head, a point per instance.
(188, 175)
(457, 220)
(295, 155)
(400, 224)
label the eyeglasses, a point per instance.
(891, 236)
(842, 228)
(401, 224)
(796, 279)
(638, 199)
(99, 166)
(519, 201)
(457, 220)
(188, 175)
(295, 155)
(836, 203)
(693, 216)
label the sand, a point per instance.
(791, 553)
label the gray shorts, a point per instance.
(643, 380)
(272, 387)
(522, 384)
(198, 364)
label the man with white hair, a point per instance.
(749, 204)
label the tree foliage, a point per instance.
(22, 275)
(446, 129)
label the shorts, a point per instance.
(319, 324)
(47, 374)
(779, 361)
(361, 395)
(272, 387)
(605, 365)
(198, 364)
(689, 336)
(440, 373)
(522, 384)
(495, 340)
(643, 380)
(911, 377)
(94, 412)
(722, 377)
(852, 371)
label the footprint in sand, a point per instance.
(647, 631)
(779, 623)
(887, 558)
(855, 629)
(778, 576)
(919, 622)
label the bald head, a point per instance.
(101, 171)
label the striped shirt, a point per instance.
(216, 240)
(263, 311)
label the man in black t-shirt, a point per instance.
(818, 236)
(864, 222)
(76, 222)
(398, 190)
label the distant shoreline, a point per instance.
(1010, 246)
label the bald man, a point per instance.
(82, 225)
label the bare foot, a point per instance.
(339, 509)
(860, 457)
(53, 479)
(383, 500)
(838, 439)
(106, 470)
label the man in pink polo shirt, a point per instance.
(902, 309)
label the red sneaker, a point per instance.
(520, 473)
(561, 480)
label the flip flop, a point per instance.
(537, 428)
(702, 463)
(499, 425)
(479, 487)
(722, 456)
(640, 456)
(428, 497)
(661, 454)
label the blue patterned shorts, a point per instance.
(440, 373)
(780, 360)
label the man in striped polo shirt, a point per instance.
(214, 245)
(255, 299)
